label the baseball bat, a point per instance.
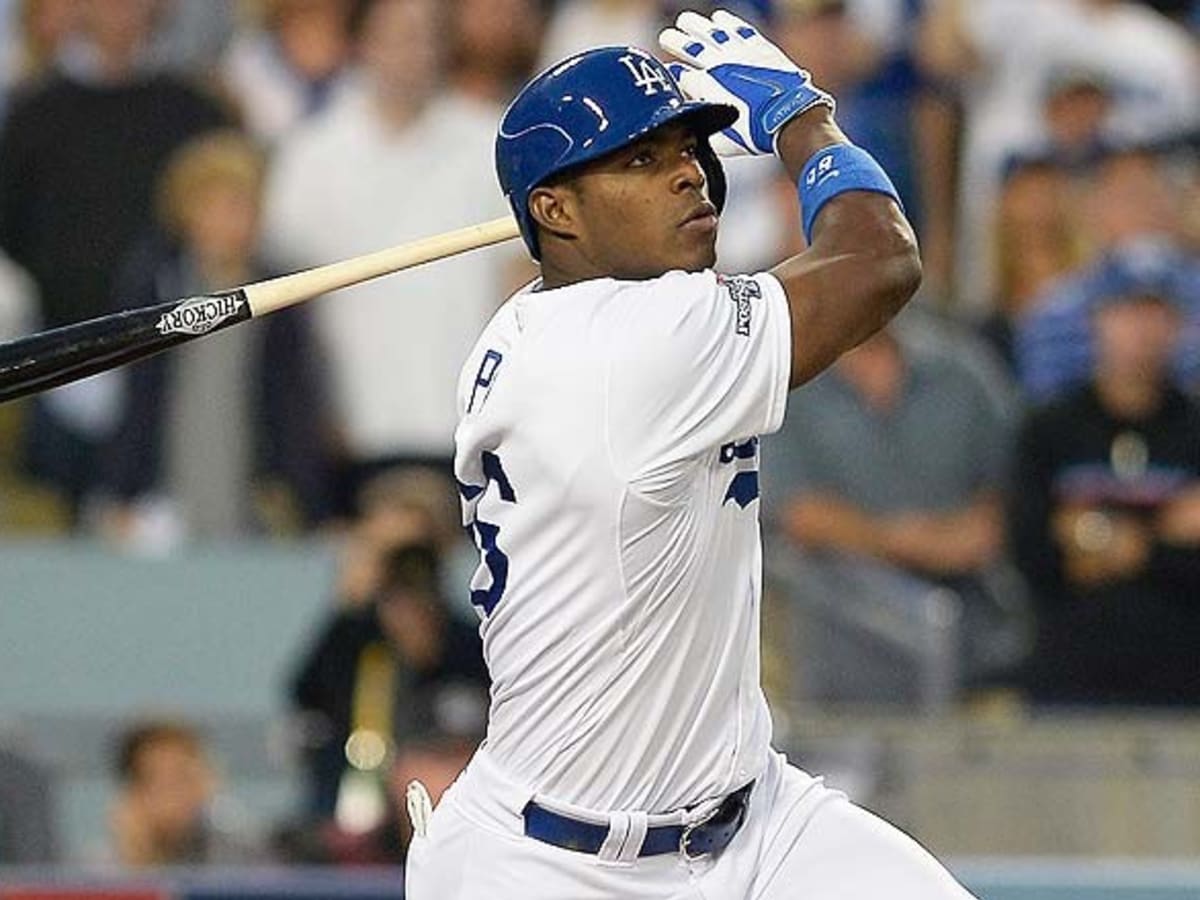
(51, 358)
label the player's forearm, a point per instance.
(862, 266)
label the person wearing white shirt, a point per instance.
(395, 158)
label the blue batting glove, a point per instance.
(728, 61)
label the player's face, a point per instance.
(644, 209)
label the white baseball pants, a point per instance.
(800, 840)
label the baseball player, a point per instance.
(607, 455)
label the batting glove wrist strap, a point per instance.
(728, 61)
(835, 170)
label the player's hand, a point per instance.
(728, 61)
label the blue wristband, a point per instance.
(835, 170)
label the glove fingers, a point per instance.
(696, 25)
(704, 35)
(682, 46)
(733, 25)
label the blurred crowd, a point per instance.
(1025, 440)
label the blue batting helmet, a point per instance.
(589, 105)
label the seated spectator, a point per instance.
(71, 209)
(896, 457)
(163, 814)
(411, 334)
(579, 24)
(1133, 212)
(290, 65)
(1004, 56)
(1076, 106)
(1054, 343)
(196, 449)
(494, 48)
(1106, 518)
(1037, 241)
(38, 31)
(375, 676)
(400, 507)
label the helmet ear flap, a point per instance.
(714, 173)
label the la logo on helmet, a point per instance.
(646, 75)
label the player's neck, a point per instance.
(555, 275)
(563, 269)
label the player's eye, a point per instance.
(643, 157)
(691, 151)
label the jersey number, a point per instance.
(485, 533)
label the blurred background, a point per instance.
(233, 609)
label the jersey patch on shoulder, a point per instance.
(741, 290)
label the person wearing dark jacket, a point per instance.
(381, 676)
(208, 425)
(80, 152)
(1106, 512)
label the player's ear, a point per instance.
(555, 209)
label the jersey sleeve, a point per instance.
(696, 361)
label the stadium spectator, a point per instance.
(400, 507)
(1003, 55)
(494, 47)
(37, 30)
(164, 812)
(79, 155)
(1037, 239)
(1076, 106)
(289, 65)
(1129, 193)
(398, 157)
(1132, 208)
(889, 472)
(1106, 520)
(578, 24)
(222, 436)
(190, 38)
(374, 677)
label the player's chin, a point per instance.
(697, 253)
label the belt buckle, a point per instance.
(685, 836)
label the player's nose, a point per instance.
(688, 173)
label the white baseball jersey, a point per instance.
(607, 454)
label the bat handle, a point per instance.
(277, 293)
